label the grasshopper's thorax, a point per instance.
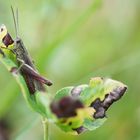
(19, 49)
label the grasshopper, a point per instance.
(21, 57)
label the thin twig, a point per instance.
(46, 128)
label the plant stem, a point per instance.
(46, 128)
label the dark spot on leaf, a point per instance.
(102, 106)
(76, 91)
(115, 95)
(66, 107)
(100, 111)
(70, 123)
(80, 129)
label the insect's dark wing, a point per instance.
(33, 74)
(32, 84)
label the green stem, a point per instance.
(46, 128)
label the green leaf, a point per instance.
(99, 88)
(96, 98)
(72, 123)
(43, 102)
(34, 101)
(63, 92)
(92, 125)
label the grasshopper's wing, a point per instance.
(31, 72)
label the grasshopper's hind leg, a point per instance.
(31, 72)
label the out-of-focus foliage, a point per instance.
(71, 41)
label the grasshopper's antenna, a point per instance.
(15, 23)
(17, 17)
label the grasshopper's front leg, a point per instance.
(31, 72)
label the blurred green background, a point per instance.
(70, 42)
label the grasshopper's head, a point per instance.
(3, 32)
(5, 39)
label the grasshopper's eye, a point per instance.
(1, 29)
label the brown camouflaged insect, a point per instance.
(26, 67)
